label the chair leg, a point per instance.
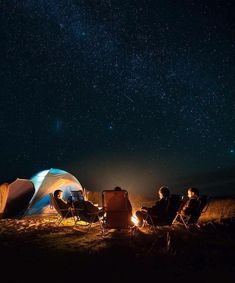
(60, 220)
(76, 218)
(91, 219)
(151, 225)
(175, 219)
(101, 225)
(184, 222)
(180, 219)
(198, 225)
(66, 216)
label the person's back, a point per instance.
(129, 206)
(117, 208)
(160, 207)
(159, 212)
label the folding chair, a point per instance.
(76, 195)
(116, 212)
(86, 217)
(80, 218)
(192, 219)
(89, 219)
(176, 201)
(63, 214)
(173, 205)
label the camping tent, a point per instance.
(15, 197)
(46, 182)
(3, 198)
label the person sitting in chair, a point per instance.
(129, 206)
(58, 194)
(190, 208)
(89, 212)
(156, 214)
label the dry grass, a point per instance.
(219, 209)
(36, 243)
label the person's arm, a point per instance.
(147, 209)
(90, 207)
(189, 207)
(63, 204)
(160, 208)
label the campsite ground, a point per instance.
(35, 249)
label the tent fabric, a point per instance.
(46, 182)
(3, 197)
(15, 197)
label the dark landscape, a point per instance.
(37, 247)
(97, 94)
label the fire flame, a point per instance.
(135, 220)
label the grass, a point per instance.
(37, 245)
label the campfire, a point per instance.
(135, 220)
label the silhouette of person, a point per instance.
(191, 206)
(158, 212)
(129, 206)
(63, 205)
(58, 195)
(88, 210)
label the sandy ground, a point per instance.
(36, 250)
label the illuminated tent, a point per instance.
(15, 197)
(46, 182)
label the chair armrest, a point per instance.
(64, 209)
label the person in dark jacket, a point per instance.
(88, 211)
(129, 206)
(191, 206)
(58, 194)
(158, 212)
(65, 206)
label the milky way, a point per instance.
(110, 87)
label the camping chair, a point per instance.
(85, 218)
(76, 195)
(63, 213)
(174, 203)
(192, 219)
(80, 218)
(116, 212)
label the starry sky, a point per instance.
(132, 93)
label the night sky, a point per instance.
(132, 93)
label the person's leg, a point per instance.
(141, 215)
